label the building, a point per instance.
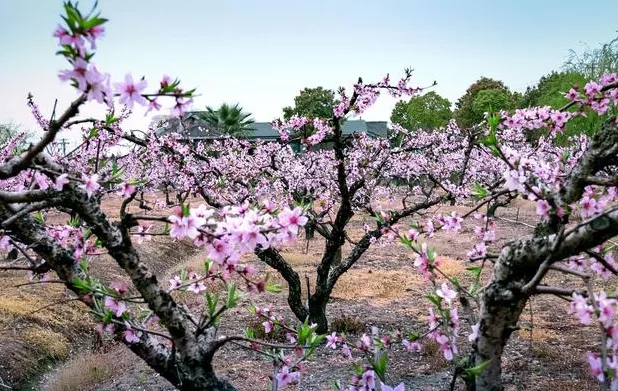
(194, 128)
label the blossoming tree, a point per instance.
(250, 190)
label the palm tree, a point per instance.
(228, 119)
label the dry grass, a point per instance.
(50, 342)
(84, 372)
(376, 284)
(30, 338)
(347, 324)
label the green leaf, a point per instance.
(185, 210)
(479, 191)
(211, 301)
(250, 333)
(232, 296)
(435, 299)
(379, 365)
(94, 132)
(73, 222)
(39, 217)
(413, 336)
(82, 285)
(273, 288)
(476, 370)
(475, 271)
(93, 22)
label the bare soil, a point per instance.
(383, 289)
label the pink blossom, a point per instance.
(400, 387)
(452, 223)
(592, 89)
(41, 180)
(5, 243)
(126, 190)
(153, 105)
(446, 293)
(285, 377)
(99, 88)
(142, 233)
(116, 306)
(596, 366)
(130, 92)
(182, 105)
(90, 184)
(445, 346)
(543, 208)
(331, 341)
(580, 306)
(268, 326)
(515, 181)
(119, 287)
(369, 379)
(364, 343)
(572, 94)
(412, 346)
(131, 335)
(197, 287)
(60, 181)
(175, 283)
(589, 206)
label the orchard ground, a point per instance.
(383, 289)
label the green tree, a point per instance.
(550, 91)
(593, 63)
(467, 116)
(9, 131)
(491, 100)
(228, 119)
(313, 103)
(428, 111)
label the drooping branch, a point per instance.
(21, 162)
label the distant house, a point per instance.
(192, 127)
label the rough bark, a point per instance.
(189, 367)
(504, 298)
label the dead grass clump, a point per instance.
(347, 324)
(433, 355)
(376, 284)
(84, 372)
(538, 334)
(277, 334)
(452, 267)
(48, 342)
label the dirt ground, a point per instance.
(383, 289)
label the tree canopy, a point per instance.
(468, 115)
(428, 111)
(312, 103)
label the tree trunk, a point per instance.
(500, 312)
(309, 232)
(317, 312)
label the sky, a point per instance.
(262, 53)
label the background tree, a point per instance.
(312, 103)
(427, 112)
(491, 100)
(550, 91)
(228, 119)
(593, 63)
(316, 102)
(467, 116)
(11, 131)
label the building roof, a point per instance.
(195, 128)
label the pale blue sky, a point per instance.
(261, 53)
